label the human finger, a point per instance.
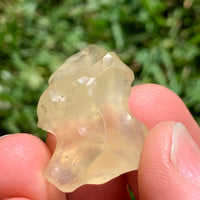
(23, 158)
(151, 104)
(170, 164)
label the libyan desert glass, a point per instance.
(86, 108)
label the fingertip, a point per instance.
(154, 164)
(154, 100)
(152, 104)
(158, 178)
(24, 159)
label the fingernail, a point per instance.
(185, 154)
(4, 136)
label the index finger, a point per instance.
(152, 104)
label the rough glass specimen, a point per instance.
(86, 107)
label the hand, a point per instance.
(169, 166)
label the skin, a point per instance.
(25, 156)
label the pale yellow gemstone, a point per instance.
(86, 108)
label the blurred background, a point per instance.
(158, 39)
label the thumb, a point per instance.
(170, 164)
